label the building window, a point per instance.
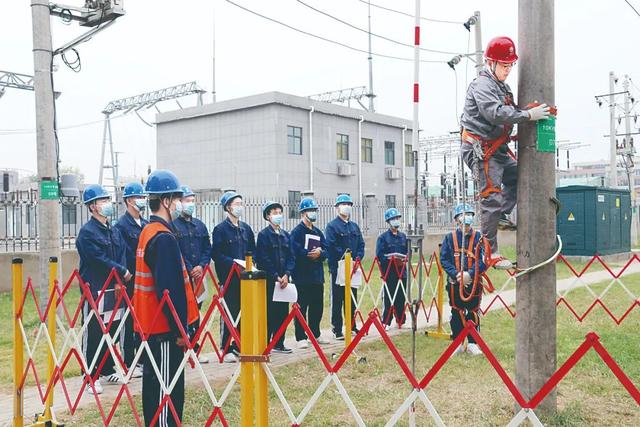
(342, 147)
(294, 140)
(294, 202)
(408, 155)
(367, 150)
(69, 215)
(389, 153)
(390, 201)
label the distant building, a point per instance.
(281, 146)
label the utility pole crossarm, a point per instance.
(16, 80)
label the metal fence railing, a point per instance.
(19, 218)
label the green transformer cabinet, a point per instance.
(594, 220)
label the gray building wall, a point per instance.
(246, 148)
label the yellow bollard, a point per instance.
(440, 332)
(254, 404)
(347, 299)
(18, 345)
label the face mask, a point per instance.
(106, 209)
(395, 223)
(276, 219)
(467, 220)
(140, 204)
(237, 211)
(344, 210)
(312, 216)
(175, 214)
(189, 208)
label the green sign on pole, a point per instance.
(49, 190)
(546, 135)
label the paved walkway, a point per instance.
(221, 373)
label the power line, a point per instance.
(631, 6)
(322, 12)
(326, 39)
(399, 12)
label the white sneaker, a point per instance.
(458, 350)
(230, 358)
(137, 372)
(387, 327)
(303, 344)
(474, 349)
(114, 378)
(503, 264)
(323, 341)
(96, 389)
(203, 359)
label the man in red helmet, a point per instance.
(487, 121)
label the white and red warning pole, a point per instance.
(416, 92)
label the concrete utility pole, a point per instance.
(536, 236)
(370, 58)
(478, 39)
(629, 152)
(49, 208)
(613, 149)
(213, 80)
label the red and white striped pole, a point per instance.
(414, 141)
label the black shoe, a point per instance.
(504, 223)
(282, 349)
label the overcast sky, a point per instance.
(160, 43)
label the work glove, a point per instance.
(466, 278)
(538, 113)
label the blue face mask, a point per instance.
(312, 216)
(467, 220)
(189, 208)
(276, 219)
(395, 223)
(140, 204)
(175, 214)
(106, 209)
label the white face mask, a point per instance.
(189, 208)
(312, 216)
(106, 209)
(175, 214)
(140, 204)
(237, 211)
(276, 219)
(344, 210)
(467, 219)
(395, 223)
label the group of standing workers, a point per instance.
(162, 261)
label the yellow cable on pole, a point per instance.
(18, 345)
(440, 333)
(51, 327)
(347, 299)
(254, 401)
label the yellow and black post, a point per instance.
(442, 278)
(347, 300)
(18, 344)
(254, 404)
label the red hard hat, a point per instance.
(501, 49)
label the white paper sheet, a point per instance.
(288, 294)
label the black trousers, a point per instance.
(311, 302)
(337, 305)
(462, 311)
(168, 356)
(91, 340)
(129, 339)
(232, 299)
(276, 314)
(398, 303)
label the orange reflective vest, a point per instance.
(145, 296)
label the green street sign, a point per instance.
(49, 190)
(546, 135)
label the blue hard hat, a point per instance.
(186, 191)
(391, 213)
(343, 198)
(307, 204)
(162, 182)
(462, 208)
(266, 208)
(227, 197)
(133, 189)
(94, 192)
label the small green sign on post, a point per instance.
(546, 135)
(49, 190)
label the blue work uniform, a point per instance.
(341, 235)
(308, 275)
(230, 242)
(395, 273)
(274, 256)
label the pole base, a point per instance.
(438, 335)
